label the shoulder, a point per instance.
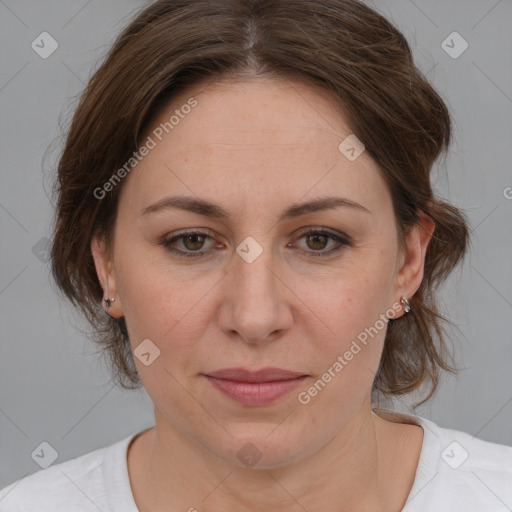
(457, 471)
(74, 485)
(471, 453)
(463, 472)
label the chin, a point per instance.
(263, 448)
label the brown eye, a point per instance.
(193, 242)
(190, 245)
(317, 242)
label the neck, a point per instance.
(352, 471)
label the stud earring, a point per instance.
(406, 304)
(108, 301)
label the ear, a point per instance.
(106, 276)
(411, 271)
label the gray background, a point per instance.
(54, 387)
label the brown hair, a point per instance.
(341, 45)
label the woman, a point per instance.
(245, 190)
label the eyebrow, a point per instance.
(209, 209)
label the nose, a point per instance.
(256, 301)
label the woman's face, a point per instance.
(250, 288)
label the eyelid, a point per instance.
(340, 239)
(166, 240)
(326, 231)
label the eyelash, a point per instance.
(343, 241)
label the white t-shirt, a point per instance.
(456, 472)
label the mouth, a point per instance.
(254, 388)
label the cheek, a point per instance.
(161, 304)
(345, 322)
(169, 312)
(352, 296)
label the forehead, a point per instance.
(260, 112)
(252, 140)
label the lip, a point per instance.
(255, 387)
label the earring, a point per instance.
(406, 304)
(108, 301)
